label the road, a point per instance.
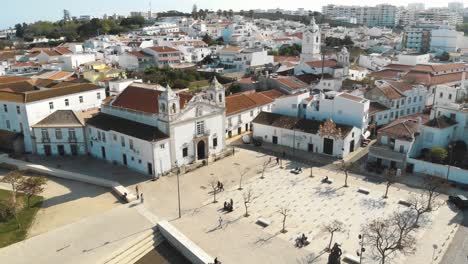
(457, 253)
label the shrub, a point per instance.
(438, 154)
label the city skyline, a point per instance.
(24, 11)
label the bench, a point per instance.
(263, 222)
(351, 259)
(404, 202)
(363, 190)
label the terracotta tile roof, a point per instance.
(63, 50)
(17, 87)
(282, 59)
(273, 94)
(144, 99)
(7, 55)
(401, 128)
(390, 92)
(243, 102)
(61, 118)
(231, 49)
(400, 67)
(375, 107)
(441, 122)
(401, 86)
(386, 74)
(428, 79)
(439, 67)
(12, 79)
(163, 49)
(24, 64)
(128, 127)
(318, 63)
(293, 123)
(138, 54)
(291, 82)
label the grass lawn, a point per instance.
(9, 231)
(196, 85)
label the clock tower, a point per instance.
(311, 41)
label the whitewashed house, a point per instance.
(22, 104)
(241, 109)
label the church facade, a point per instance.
(153, 129)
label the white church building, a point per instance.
(154, 129)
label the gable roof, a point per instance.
(163, 49)
(61, 118)
(375, 107)
(127, 127)
(390, 92)
(138, 54)
(291, 82)
(439, 67)
(404, 129)
(273, 94)
(401, 86)
(243, 102)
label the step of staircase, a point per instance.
(136, 243)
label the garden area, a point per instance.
(456, 154)
(19, 206)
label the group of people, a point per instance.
(325, 179)
(220, 186)
(301, 241)
(228, 206)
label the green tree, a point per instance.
(32, 186)
(438, 154)
(444, 56)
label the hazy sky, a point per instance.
(16, 11)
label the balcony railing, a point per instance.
(45, 140)
(72, 140)
(386, 152)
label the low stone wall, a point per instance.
(22, 165)
(184, 245)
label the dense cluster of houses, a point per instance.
(76, 99)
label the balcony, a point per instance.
(45, 140)
(204, 133)
(72, 140)
(386, 152)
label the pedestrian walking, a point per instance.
(277, 160)
(141, 198)
(137, 191)
(220, 222)
(232, 203)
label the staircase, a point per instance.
(139, 247)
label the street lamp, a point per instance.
(178, 187)
(361, 249)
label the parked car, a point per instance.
(257, 141)
(459, 200)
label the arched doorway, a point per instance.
(201, 150)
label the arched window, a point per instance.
(163, 107)
(316, 39)
(220, 97)
(211, 96)
(173, 108)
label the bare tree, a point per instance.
(390, 179)
(418, 205)
(247, 199)
(336, 226)
(264, 167)
(242, 173)
(433, 187)
(215, 188)
(32, 186)
(385, 239)
(14, 178)
(404, 223)
(284, 211)
(345, 168)
(15, 205)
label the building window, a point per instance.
(441, 95)
(414, 99)
(402, 149)
(72, 134)
(200, 127)
(18, 110)
(44, 133)
(51, 105)
(420, 98)
(98, 96)
(122, 141)
(251, 113)
(5, 108)
(114, 136)
(21, 127)
(450, 96)
(162, 146)
(130, 143)
(99, 135)
(67, 103)
(103, 137)
(81, 99)
(185, 152)
(8, 124)
(58, 133)
(215, 142)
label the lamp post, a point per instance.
(361, 247)
(178, 187)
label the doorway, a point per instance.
(351, 146)
(328, 146)
(246, 127)
(61, 150)
(239, 130)
(201, 150)
(124, 159)
(47, 150)
(275, 139)
(74, 149)
(103, 152)
(150, 168)
(310, 147)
